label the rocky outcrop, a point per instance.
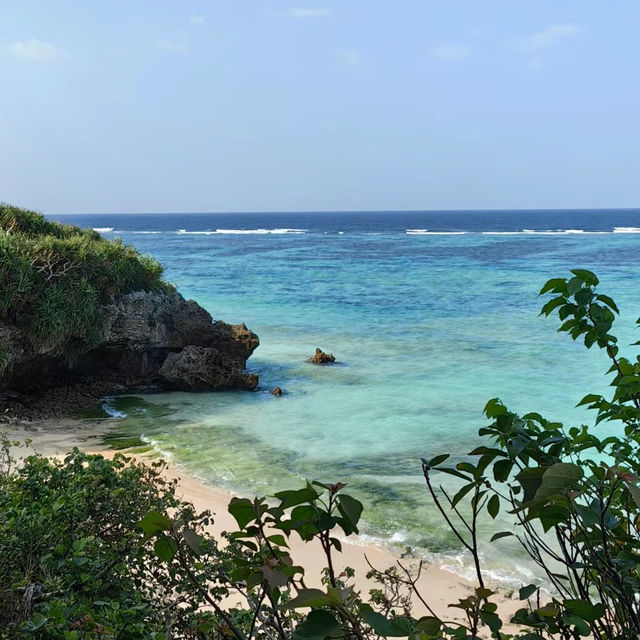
(320, 357)
(202, 368)
(147, 338)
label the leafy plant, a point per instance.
(574, 497)
(71, 563)
(54, 279)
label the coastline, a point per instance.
(438, 586)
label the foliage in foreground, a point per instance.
(97, 549)
(55, 277)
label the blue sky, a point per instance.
(260, 105)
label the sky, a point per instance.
(269, 105)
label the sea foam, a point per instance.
(426, 232)
(243, 232)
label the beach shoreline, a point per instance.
(440, 587)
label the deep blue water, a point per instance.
(427, 327)
(369, 221)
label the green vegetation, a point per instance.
(96, 549)
(55, 277)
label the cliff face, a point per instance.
(148, 338)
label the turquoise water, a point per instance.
(426, 328)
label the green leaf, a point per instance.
(551, 305)
(530, 479)
(492, 620)
(493, 506)
(455, 472)
(154, 522)
(574, 285)
(634, 491)
(608, 301)
(278, 539)
(501, 534)
(588, 277)
(557, 285)
(309, 598)
(395, 627)
(429, 625)
(581, 626)
(317, 626)
(494, 408)
(556, 479)
(462, 493)
(590, 398)
(527, 592)
(165, 548)
(584, 609)
(436, 460)
(193, 540)
(350, 508)
(502, 469)
(242, 510)
(294, 498)
(480, 451)
(37, 622)
(274, 577)
(553, 514)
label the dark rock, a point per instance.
(276, 391)
(148, 338)
(321, 357)
(204, 369)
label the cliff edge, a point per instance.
(77, 309)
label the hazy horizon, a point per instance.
(346, 211)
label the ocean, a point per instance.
(429, 314)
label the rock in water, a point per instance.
(276, 391)
(147, 337)
(321, 357)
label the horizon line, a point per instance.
(347, 211)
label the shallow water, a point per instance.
(426, 326)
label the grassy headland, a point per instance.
(54, 278)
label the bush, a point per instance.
(71, 562)
(54, 278)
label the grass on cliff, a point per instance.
(54, 278)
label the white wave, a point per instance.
(112, 411)
(103, 229)
(559, 232)
(244, 232)
(340, 233)
(167, 455)
(145, 232)
(261, 231)
(502, 233)
(626, 230)
(459, 565)
(547, 232)
(426, 232)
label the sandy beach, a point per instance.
(438, 586)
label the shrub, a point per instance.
(71, 562)
(54, 278)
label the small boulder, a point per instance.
(321, 357)
(276, 391)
